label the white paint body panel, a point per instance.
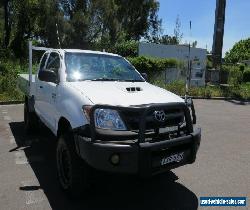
(71, 96)
(115, 93)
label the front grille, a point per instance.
(174, 117)
(148, 122)
(172, 127)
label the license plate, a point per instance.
(178, 157)
(168, 129)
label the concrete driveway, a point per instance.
(28, 173)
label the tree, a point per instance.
(194, 44)
(239, 52)
(110, 21)
(81, 23)
(177, 31)
(138, 18)
(154, 30)
(48, 18)
(76, 23)
(25, 14)
(1, 26)
(168, 40)
(7, 21)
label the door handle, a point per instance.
(53, 95)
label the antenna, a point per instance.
(58, 39)
(188, 76)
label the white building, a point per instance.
(179, 52)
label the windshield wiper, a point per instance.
(132, 80)
(112, 79)
(104, 79)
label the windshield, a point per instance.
(99, 67)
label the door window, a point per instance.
(53, 63)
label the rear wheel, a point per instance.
(73, 173)
(31, 121)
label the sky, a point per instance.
(202, 15)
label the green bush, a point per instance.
(239, 52)
(123, 48)
(246, 75)
(209, 64)
(126, 48)
(242, 67)
(235, 77)
(178, 87)
(5, 54)
(8, 81)
(152, 66)
(227, 68)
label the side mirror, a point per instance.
(47, 76)
(145, 76)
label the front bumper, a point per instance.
(139, 158)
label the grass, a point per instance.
(241, 91)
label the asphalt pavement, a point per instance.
(28, 170)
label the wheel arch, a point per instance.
(63, 126)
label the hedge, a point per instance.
(235, 77)
(8, 78)
(152, 65)
(126, 48)
(246, 75)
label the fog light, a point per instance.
(115, 159)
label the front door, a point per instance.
(40, 90)
(48, 93)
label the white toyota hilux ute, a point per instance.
(107, 117)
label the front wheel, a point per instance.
(72, 171)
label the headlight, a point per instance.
(108, 119)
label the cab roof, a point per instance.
(83, 51)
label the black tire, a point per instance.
(31, 121)
(73, 173)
